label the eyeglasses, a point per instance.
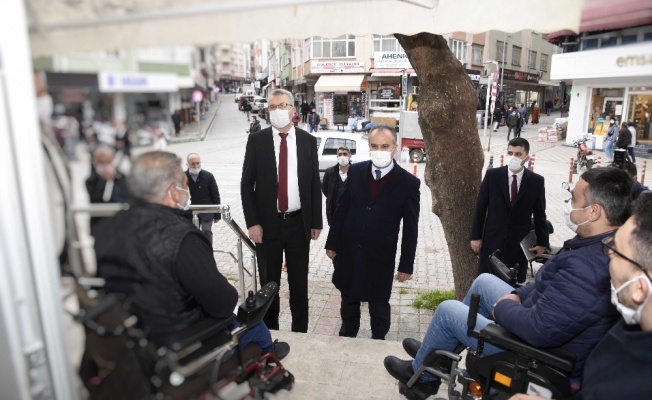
(282, 106)
(608, 245)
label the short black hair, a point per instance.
(520, 142)
(630, 168)
(344, 148)
(611, 188)
(642, 234)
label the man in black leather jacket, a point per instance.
(334, 179)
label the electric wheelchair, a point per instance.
(521, 368)
(203, 361)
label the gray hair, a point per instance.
(282, 92)
(641, 241)
(152, 174)
(385, 127)
(103, 148)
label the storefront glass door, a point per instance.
(639, 112)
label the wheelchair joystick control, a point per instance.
(251, 300)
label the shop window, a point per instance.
(386, 43)
(458, 48)
(500, 51)
(332, 144)
(516, 55)
(647, 36)
(590, 43)
(476, 57)
(627, 39)
(543, 62)
(609, 42)
(532, 59)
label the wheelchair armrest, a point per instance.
(557, 358)
(202, 330)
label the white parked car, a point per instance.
(329, 142)
(258, 104)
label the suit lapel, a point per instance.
(268, 148)
(525, 183)
(504, 184)
(393, 179)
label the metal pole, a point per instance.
(486, 112)
(243, 294)
(502, 67)
(254, 272)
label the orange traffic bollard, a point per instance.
(570, 171)
(414, 172)
(502, 160)
(643, 173)
(533, 158)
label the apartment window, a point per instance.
(500, 50)
(477, 54)
(339, 47)
(609, 42)
(532, 59)
(543, 62)
(590, 44)
(458, 48)
(647, 36)
(386, 43)
(516, 55)
(627, 39)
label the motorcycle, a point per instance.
(585, 157)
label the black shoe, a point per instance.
(402, 370)
(411, 346)
(281, 349)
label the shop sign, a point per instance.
(116, 82)
(520, 76)
(336, 67)
(391, 59)
(388, 92)
(473, 75)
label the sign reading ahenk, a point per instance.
(120, 82)
(336, 67)
(391, 59)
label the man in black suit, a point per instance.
(281, 200)
(203, 190)
(363, 236)
(509, 197)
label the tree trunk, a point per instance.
(447, 107)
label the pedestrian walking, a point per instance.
(513, 119)
(535, 113)
(305, 110)
(254, 126)
(203, 190)
(610, 139)
(313, 121)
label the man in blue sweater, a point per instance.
(567, 306)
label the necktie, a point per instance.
(377, 174)
(514, 189)
(283, 173)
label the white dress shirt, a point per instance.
(383, 171)
(519, 177)
(294, 201)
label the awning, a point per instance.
(339, 83)
(390, 71)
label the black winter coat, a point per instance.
(331, 187)
(204, 191)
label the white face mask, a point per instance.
(631, 317)
(514, 163)
(568, 209)
(44, 108)
(343, 161)
(279, 118)
(380, 158)
(194, 171)
(186, 206)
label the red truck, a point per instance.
(410, 135)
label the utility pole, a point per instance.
(486, 106)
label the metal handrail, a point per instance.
(110, 209)
(242, 237)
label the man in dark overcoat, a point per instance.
(203, 190)
(510, 196)
(363, 237)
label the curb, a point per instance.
(202, 134)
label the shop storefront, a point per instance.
(522, 88)
(340, 90)
(608, 83)
(139, 97)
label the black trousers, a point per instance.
(379, 311)
(291, 240)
